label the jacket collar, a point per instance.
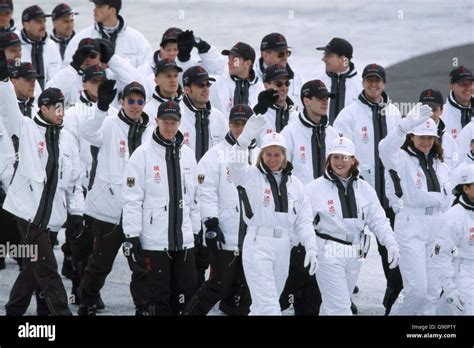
(455, 104)
(157, 95)
(144, 119)
(10, 29)
(310, 124)
(122, 25)
(465, 202)
(252, 79)
(59, 40)
(364, 100)
(158, 139)
(25, 38)
(189, 104)
(265, 170)
(40, 121)
(351, 73)
(289, 105)
(85, 98)
(229, 138)
(331, 176)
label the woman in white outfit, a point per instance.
(454, 249)
(343, 204)
(413, 151)
(276, 210)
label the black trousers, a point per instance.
(40, 273)
(172, 280)
(108, 239)
(226, 271)
(10, 231)
(201, 255)
(301, 289)
(393, 276)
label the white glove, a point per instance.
(418, 115)
(252, 129)
(455, 301)
(393, 256)
(311, 259)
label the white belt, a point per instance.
(420, 211)
(268, 232)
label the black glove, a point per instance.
(198, 241)
(265, 99)
(107, 50)
(214, 235)
(106, 94)
(201, 45)
(132, 249)
(3, 66)
(185, 45)
(79, 57)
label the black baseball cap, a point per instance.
(166, 64)
(460, 74)
(25, 70)
(274, 41)
(431, 96)
(94, 72)
(196, 74)
(339, 46)
(374, 70)
(92, 44)
(171, 34)
(117, 4)
(8, 40)
(315, 88)
(241, 49)
(51, 96)
(62, 10)
(6, 5)
(33, 12)
(240, 112)
(274, 72)
(169, 110)
(133, 87)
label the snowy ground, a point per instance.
(385, 32)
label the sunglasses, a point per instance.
(284, 54)
(204, 84)
(280, 83)
(140, 102)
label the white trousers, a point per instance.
(337, 273)
(415, 235)
(266, 261)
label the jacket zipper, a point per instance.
(175, 192)
(48, 187)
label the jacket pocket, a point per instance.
(65, 172)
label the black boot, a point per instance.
(87, 311)
(100, 304)
(354, 308)
(2, 263)
(142, 311)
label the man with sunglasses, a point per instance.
(308, 140)
(278, 114)
(45, 187)
(116, 136)
(366, 122)
(340, 76)
(274, 49)
(91, 52)
(177, 45)
(37, 47)
(241, 85)
(129, 43)
(63, 27)
(166, 85)
(203, 126)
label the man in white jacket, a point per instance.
(129, 43)
(37, 47)
(221, 213)
(166, 85)
(340, 76)
(366, 122)
(177, 45)
(63, 27)
(457, 111)
(274, 50)
(90, 52)
(44, 187)
(202, 126)
(160, 214)
(308, 139)
(240, 84)
(117, 136)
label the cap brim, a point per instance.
(229, 52)
(204, 79)
(274, 78)
(323, 49)
(169, 68)
(169, 117)
(238, 118)
(373, 74)
(345, 153)
(471, 78)
(420, 134)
